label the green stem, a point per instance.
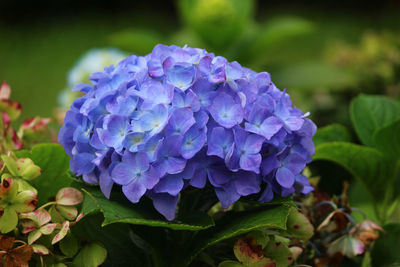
(47, 204)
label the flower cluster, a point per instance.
(180, 117)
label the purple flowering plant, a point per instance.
(181, 117)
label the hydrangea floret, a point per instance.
(181, 117)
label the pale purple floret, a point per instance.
(115, 128)
(181, 117)
(169, 159)
(226, 111)
(135, 175)
(220, 142)
(245, 152)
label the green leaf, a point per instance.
(11, 164)
(8, 221)
(298, 225)
(115, 237)
(387, 140)
(279, 252)
(69, 245)
(385, 251)
(235, 224)
(369, 113)
(54, 163)
(91, 255)
(332, 133)
(118, 209)
(364, 163)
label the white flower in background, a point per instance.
(92, 61)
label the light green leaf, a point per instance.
(369, 113)
(91, 255)
(33, 236)
(117, 209)
(11, 164)
(69, 245)
(62, 233)
(236, 224)
(332, 133)
(40, 249)
(69, 196)
(279, 252)
(364, 163)
(298, 225)
(8, 221)
(54, 163)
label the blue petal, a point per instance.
(171, 184)
(227, 195)
(193, 141)
(285, 177)
(134, 191)
(166, 205)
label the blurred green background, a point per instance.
(324, 53)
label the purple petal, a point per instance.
(193, 141)
(253, 144)
(246, 183)
(250, 162)
(123, 174)
(106, 183)
(180, 121)
(295, 163)
(166, 205)
(269, 164)
(171, 184)
(267, 195)
(82, 163)
(150, 178)
(220, 141)
(199, 178)
(225, 111)
(285, 177)
(134, 191)
(181, 75)
(227, 195)
(219, 176)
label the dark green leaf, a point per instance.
(332, 133)
(118, 210)
(369, 113)
(121, 251)
(69, 245)
(364, 163)
(54, 163)
(385, 251)
(235, 224)
(387, 140)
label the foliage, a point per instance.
(29, 233)
(375, 163)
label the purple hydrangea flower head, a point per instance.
(182, 117)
